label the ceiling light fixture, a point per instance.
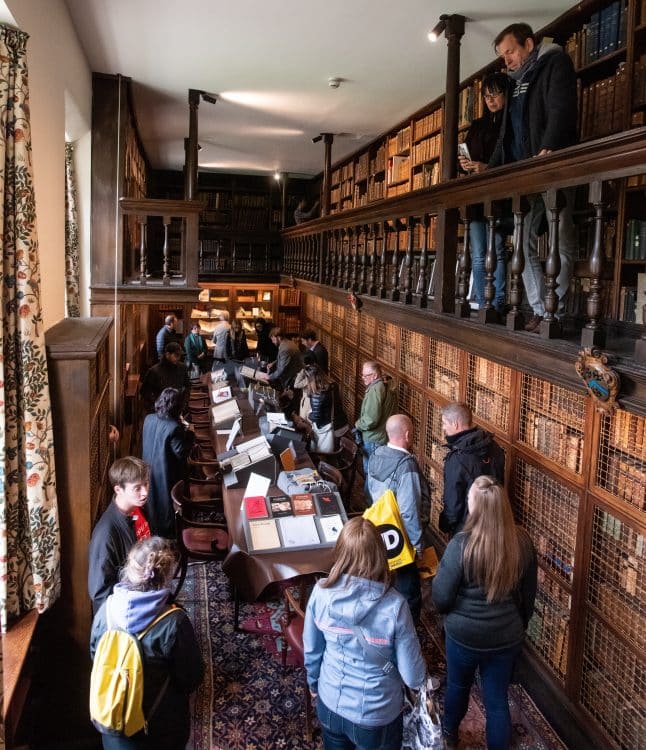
(439, 28)
(277, 176)
(334, 82)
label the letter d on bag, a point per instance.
(392, 537)
(384, 514)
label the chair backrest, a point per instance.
(331, 474)
(348, 447)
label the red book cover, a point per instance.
(255, 507)
(303, 504)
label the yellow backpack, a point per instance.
(117, 681)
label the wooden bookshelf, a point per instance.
(577, 482)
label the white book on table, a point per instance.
(298, 531)
(331, 527)
(264, 534)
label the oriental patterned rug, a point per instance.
(249, 702)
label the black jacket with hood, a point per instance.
(472, 453)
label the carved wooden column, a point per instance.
(444, 270)
(394, 277)
(365, 233)
(383, 290)
(408, 263)
(372, 286)
(550, 327)
(419, 296)
(515, 321)
(334, 258)
(462, 306)
(488, 314)
(165, 252)
(143, 260)
(592, 333)
(355, 258)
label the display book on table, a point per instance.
(300, 522)
(251, 456)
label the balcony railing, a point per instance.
(414, 249)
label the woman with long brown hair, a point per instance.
(360, 646)
(486, 586)
(326, 410)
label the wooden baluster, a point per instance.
(309, 258)
(347, 250)
(383, 290)
(593, 333)
(408, 262)
(462, 306)
(341, 259)
(372, 287)
(488, 314)
(143, 260)
(550, 327)
(354, 281)
(419, 296)
(394, 278)
(364, 259)
(165, 253)
(515, 321)
(332, 259)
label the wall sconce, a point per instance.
(439, 28)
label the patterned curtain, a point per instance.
(29, 528)
(72, 268)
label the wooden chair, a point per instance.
(203, 497)
(292, 622)
(196, 540)
(345, 460)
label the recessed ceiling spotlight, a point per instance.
(334, 83)
(277, 176)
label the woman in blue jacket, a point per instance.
(486, 586)
(360, 646)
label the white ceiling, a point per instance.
(270, 61)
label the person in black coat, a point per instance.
(315, 352)
(481, 140)
(488, 599)
(166, 445)
(172, 661)
(123, 522)
(472, 452)
(266, 350)
(237, 347)
(169, 373)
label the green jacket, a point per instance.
(379, 403)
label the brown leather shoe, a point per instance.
(533, 323)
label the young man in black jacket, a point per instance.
(472, 452)
(540, 117)
(123, 523)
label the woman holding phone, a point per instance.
(480, 142)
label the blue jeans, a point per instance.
(368, 449)
(496, 668)
(406, 581)
(343, 734)
(478, 244)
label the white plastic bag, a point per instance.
(422, 725)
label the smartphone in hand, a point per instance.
(463, 150)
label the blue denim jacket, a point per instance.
(349, 680)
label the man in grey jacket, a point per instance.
(540, 117)
(392, 466)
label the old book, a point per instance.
(281, 506)
(264, 535)
(331, 527)
(255, 507)
(298, 531)
(329, 503)
(303, 504)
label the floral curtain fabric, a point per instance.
(72, 267)
(29, 527)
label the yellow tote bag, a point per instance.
(384, 514)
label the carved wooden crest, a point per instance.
(601, 381)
